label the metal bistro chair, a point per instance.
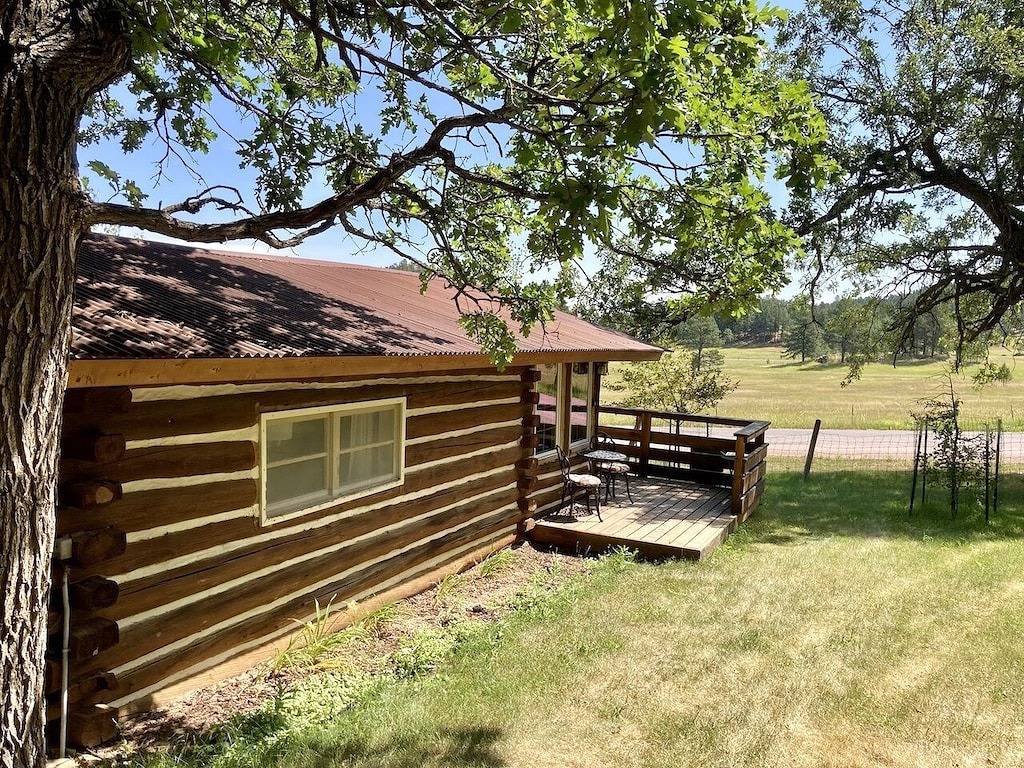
(610, 471)
(572, 483)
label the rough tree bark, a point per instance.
(53, 57)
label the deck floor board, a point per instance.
(666, 518)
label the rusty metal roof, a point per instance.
(140, 299)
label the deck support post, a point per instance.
(739, 466)
(645, 442)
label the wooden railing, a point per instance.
(730, 453)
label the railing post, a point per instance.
(739, 466)
(645, 442)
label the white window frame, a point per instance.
(334, 451)
(585, 441)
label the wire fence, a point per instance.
(859, 449)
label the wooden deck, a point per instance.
(667, 518)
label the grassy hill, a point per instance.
(791, 394)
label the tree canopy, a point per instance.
(481, 141)
(926, 104)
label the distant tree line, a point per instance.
(847, 330)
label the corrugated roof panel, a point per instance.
(140, 299)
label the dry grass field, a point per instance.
(791, 394)
(831, 631)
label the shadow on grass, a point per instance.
(266, 739)
(474, 746)
(875, 504)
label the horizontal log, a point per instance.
(469, 393)
(530, 442)
(91, 547)
(93, 593)
(454, 447)
(187, 620)
(91, 726)
(93, 447)
(699, 442)
(531, 397)
(526, 525)
(361, 583)
(526, 484)
(531, 421)
(527, 505)
(166, 461)
(139, 510)
(89, 493)
(97, 399)
(695, 459)
(438, 423)
(83, 688)
(165, 418)
(87, 638)
(170, 584)
(243, 534)
(711, 462)
(530, 376)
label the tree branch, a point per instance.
(309, 219)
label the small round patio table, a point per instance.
(606, 457)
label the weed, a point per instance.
(318, 639)
(499, 562)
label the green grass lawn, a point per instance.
(791, 394)
(831, 630)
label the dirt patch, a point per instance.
(484, 593)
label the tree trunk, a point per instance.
(39, 230)
(53, 57)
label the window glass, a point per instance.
(297, 466)
(579, 403)
(367, 428)
(310, 460)
(547, 408)
(367, 452)
(290, 439)
(297, 482)
(357, 469)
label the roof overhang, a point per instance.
(158, 372)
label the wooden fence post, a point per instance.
(810, 448)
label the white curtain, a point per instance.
(367, 447)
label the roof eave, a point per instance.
(149, 372)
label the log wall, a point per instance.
(172, 572)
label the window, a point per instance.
(313, 457)
(579, 403)
(547, 409)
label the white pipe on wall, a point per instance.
(65, 653)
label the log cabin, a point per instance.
(246, 436)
